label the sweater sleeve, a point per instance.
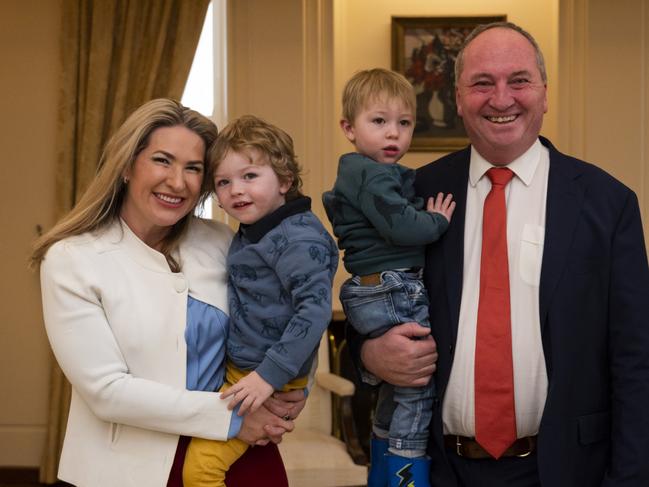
(305, 268)
(392, 215)
(80, 334)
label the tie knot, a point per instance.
(500, 176)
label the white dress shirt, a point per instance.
(525, 196)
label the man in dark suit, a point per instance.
(576, 299)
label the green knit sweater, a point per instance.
(379, 222)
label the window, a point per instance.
(205, 90)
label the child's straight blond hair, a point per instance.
(250, 132)
(372, 84)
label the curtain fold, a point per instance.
(115, 55)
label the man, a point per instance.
(557, 395)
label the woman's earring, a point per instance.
(125, 180)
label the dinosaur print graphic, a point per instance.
(321, 295)
(273, 327)
(243, 272)
(299, 327)
(302, 220)
(297, 280)
(318, 254)
(280, 242)
(238, 309)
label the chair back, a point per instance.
(317, 413)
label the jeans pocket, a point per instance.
(371, 309)
(416, 308)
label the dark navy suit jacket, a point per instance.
(594, 314)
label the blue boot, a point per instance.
(378, 476)
(408, 472)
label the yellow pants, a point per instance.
(207, 461)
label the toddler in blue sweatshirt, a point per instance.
(281, 265)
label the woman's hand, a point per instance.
(287, 405)
(398, 359)
(262, 426)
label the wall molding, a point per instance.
(573, 59)
(317, 99)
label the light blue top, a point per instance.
(206, 333)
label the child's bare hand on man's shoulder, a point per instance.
(251, 391)
(441, 204)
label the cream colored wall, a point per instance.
(280, 68)
(605, 68)
(29, 58)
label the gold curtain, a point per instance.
(115, 55)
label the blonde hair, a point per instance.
(372, 84)
(250, 132)
(102, 201)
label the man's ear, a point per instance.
(457, 102)
(348, 130)
(545, 98)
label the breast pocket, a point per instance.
(531, 254)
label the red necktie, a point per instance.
(495, 419)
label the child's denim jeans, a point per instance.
(372, 310)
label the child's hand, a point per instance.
(252, 390)
(441, 204)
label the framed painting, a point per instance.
(424, 50)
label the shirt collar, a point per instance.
(256, 231)
(524, 167)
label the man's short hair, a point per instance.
(540, 62)
(372, 84)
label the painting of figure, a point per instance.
(424, 50)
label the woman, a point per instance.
(134, 289)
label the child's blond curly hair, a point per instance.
(250, 132)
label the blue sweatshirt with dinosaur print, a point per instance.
(281, 272)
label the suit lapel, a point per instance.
(563, 206)
(453, 243)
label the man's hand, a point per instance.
(441, 204)
(252, 390)
(398, 359)
(286, 404)
(262, 426)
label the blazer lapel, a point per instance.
(563, 206)
(453, 242)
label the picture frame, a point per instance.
(424, 50)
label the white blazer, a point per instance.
(115, 316)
